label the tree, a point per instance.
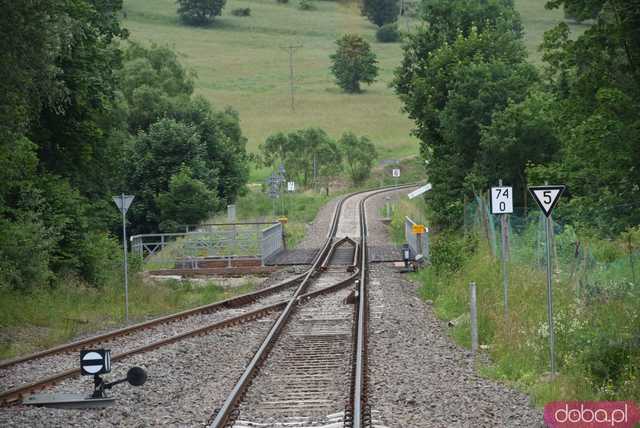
(380, 12)
(158, 155)
(456, 74)
(187, 201)
(359, 154)
(353, 63)
(299, 150)
(157, 86)
(522, 134)
(199, 12)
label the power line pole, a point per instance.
(291, 49)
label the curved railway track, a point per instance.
(311, 368)
(340, 262)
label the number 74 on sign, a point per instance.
(501, 200)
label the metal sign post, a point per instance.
(547, 197)
(123, 202)
(502, 204)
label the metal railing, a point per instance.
(224, 241)
(272, 241)
(418, 243)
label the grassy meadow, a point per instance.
(242, 62)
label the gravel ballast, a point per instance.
(31, 371)
(418, 377)
(187, 382)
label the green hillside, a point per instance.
(241, 62)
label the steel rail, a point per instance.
(359, 395)
(224, 413)
(16, 394)
(233, 302)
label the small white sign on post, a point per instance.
(291, 186)
(501, 200)
(395, 172)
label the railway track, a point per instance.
(311, 368)
(340, 261)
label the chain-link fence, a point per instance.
(593, 266)
(596, 295)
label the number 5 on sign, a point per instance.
(501, 200)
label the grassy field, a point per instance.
(49, 316)
(241, 62)
(537, 20)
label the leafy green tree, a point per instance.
(199, 12)
(157, 86)
(451, 95)
(187, 201)
(380, 12)
(330, 163)
(154, 83)
(61, 135)
(359, 154)
(353, 62)
(299, 150)
(158, 155)
(522, 134)
(596, 81)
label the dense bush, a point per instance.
(388, 33)
(283, 1)
(199, 12)
(380, 12)
(241, 11)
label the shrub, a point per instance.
(25, 252)
(449, 252)
(241, 11)
(380, 12)
(101, 257)
(388, 33)
(306, 5)
(283, 1)
(199, 12)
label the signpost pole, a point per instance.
(126, 264)
(503, 255)
(552, 339)
(547, 197)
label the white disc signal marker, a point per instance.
(546, 197)
(94, 367)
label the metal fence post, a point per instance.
(503, 255)
(473, 315)
(552, 340)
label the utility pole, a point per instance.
(291, 49)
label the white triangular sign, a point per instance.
(123, 202)
(546, 197)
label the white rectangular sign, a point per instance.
(291, 186)
(395, 172)
(501, 200)
(419, 191)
